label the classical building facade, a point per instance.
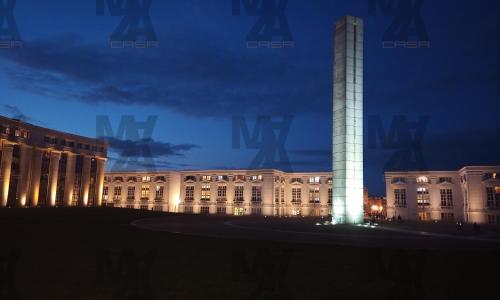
(471, 194)
(223, 192)
(41, 167)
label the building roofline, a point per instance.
(49, 130)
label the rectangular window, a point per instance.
(188, 209)
(221, 210)
(277, 195)
(189, 193)
(296, 195)
(447, 217)
(400, 197)
(314, 195)
(145, 192)
(205, 210)
(282, 195)
(239, 211)
(257, 177)
(159, 193)
(117, 193)
(105, 193)
(130, 206)
(144, 207)
(330, 195)
(205, 193)
(206, 178)
(221, 193)
(238, 194)
(131, 193)
(256, 211)
(313, 180)
(256, 194)
(446, 198)
(490, 197)
(423, 199)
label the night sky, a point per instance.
(202, 74)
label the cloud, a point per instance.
(147, 148)
(190, 77)
(15, 113)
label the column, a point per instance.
(85, 180)
(5, 172)
(70, 180)
(36, 169)
(25, 164)
(53, 174)
(101, 164)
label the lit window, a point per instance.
(145, 192)
(314, 195)
(206, 178)
(256, 177)
(423, 179)
(314, 179)
(423, 199)
(146, 178)
(205, 193)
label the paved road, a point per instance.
(307, 231)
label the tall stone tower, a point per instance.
(348, 121)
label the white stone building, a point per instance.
(471, 194)
(223, 192)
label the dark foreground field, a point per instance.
(96, 254)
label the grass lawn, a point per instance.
(96, 254)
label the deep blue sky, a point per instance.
(202, 74)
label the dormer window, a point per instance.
(296, 180)
(190, 178)
(445, 180)
(423, 179)
(206, 178)
(314, 180)
(257, 177)
(399, 180)
(146, 178)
